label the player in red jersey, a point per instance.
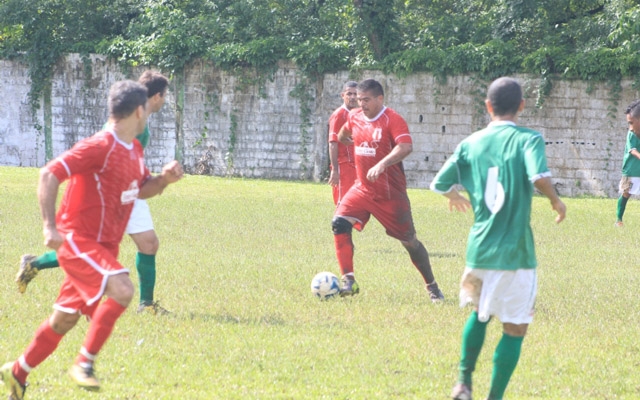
(343, 169)
(381, 141)
(106, 174)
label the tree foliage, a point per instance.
(585, 39)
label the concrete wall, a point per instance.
(220, 123)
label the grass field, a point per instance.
(235, 263)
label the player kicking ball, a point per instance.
(498, 166)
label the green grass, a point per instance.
(235, 264)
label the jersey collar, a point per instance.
(377, 116)
(501, 123)
(109, 128)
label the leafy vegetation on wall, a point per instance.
(593, 40)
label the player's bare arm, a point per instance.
(545, 186)
(399, 153)
(635, 153)
(172, 172)
(344, 136)
(457, 201)
(48, 186)
(334, 176)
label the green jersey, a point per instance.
(497, 166)
(143, 138)
(631, 164)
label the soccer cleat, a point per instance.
(16, 390)
(349, 287)
(618, 224)
(461, 392)
(26, 272)
(152, 308)
(435, 294)
(84, 377)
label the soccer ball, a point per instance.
(325, 285)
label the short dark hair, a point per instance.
(634, 109)
(349, 85)
(125, 97)
(505, 95)
(371, 85)
(154, 81)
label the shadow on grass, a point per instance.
(273, 320)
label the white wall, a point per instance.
(584, 130)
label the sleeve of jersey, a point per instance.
(400, 130)
(448, 176)
(535, 158)
(634, 142)
(85, 157)
(335, 123)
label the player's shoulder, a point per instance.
(102, 138)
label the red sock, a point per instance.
(43, 344)
(102, 323)
(344, 252)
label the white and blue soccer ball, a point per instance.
(325, 285)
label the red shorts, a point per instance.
(87, 265)
(394, 215)
(347, 178)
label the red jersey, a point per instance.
(105, 175)
(373, 140)
(336, 121)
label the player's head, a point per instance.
(128, 100)
(370, 97)
(125, 97)
(505, 96)
(156, 85)
(349, 94)
(633, 117)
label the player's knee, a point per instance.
(341, 225)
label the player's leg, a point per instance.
(349, 214)
(514, 296)
(342, 229)
(46, 339)
(119, 291)
(505, 358)
(473, 335)
(140, 228)
(625, 186)
(147, 243)
(30, 265)
(396, 217)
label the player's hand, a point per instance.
(334, 178)
(561, 209)
(374, 173)
(172, 172)
(52, 238)
(459, 203)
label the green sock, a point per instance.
(146, 266)
(472, 341)
(622, 204)
(47, 260)
(505, 360)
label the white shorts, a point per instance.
(140, 219)
(508, 295)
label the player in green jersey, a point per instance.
(140, 226)
(498, 166)
(630, 181)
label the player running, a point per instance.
(499, 167)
